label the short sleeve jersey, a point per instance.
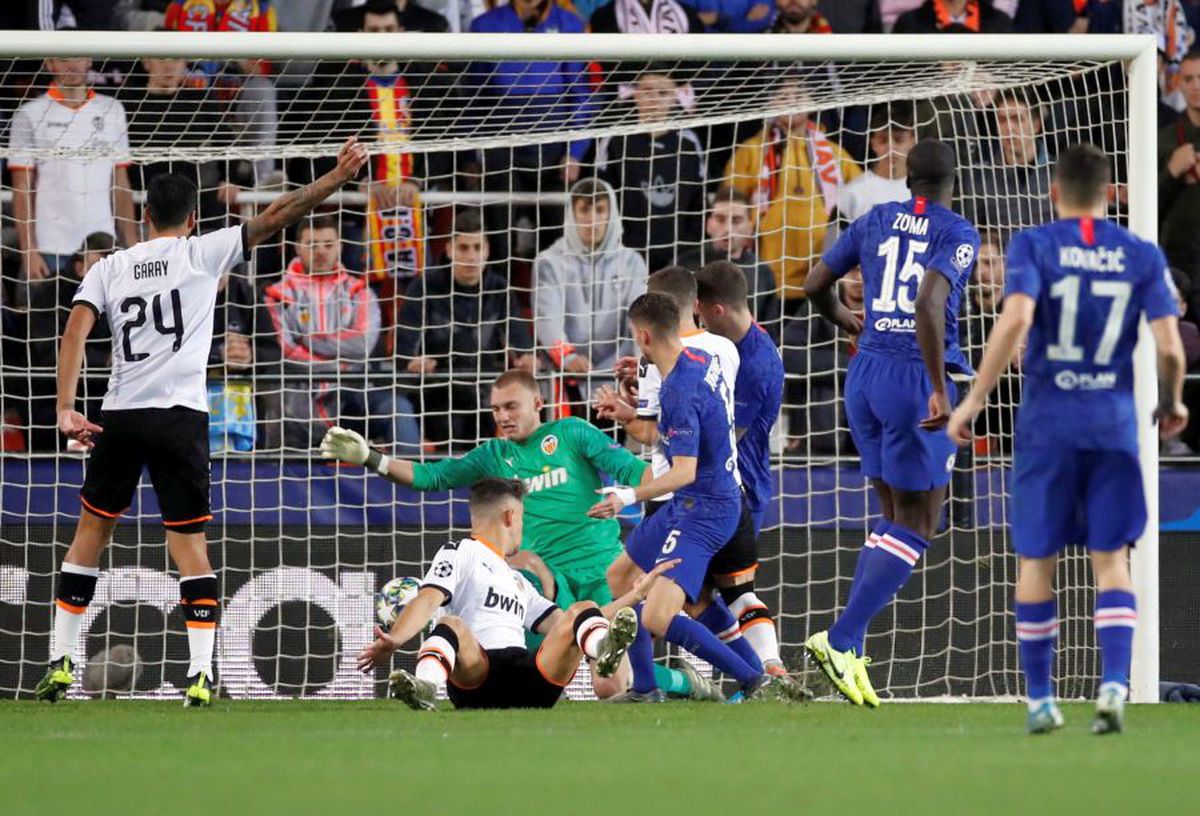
(757, 399)
(1091, 281)
(158, 297)
(73, 191)
(696, 419)
(895, 244)
(650, 383)
(495, 601)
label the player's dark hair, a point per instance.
(467, 222)
(1082, 173)
(677, 282)
(490, 491)
(657, 312)
(516, 377)
(317, 222)
(724, 283)
(170, 199)
(931, 167)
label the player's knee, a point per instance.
(578, 608)
(454, 622)
(657, 621)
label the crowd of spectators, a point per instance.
(387, 313)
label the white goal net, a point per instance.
(513, 205)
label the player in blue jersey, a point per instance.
(695, 429)
(757, 397)
(916, 257)
(1079, 287)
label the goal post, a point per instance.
(308, 545)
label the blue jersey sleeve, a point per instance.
(953, 256)
(844, 255)
(681, 426)
(1159, 297)
(1021, 275)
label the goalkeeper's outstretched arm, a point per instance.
(349, 446)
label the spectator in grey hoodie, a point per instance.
(583, 285)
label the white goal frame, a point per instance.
(1139, 51)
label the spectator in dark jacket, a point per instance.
(985, 296)
(459, 322)
(1179, 176)
(413, 17)
(730, 231)
(658, 175)
(937, 16)
(1011, 191)
(852, 16)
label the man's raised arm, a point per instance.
(291, 207)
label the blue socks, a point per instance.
(864, 555)
(641, 657)
(1037, 634)
(1116, 615)
(695, 638)
(719, 620)
(881, 573)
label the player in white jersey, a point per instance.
(478, 645)
(158, 297)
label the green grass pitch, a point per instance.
(307, 757)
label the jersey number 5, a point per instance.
(1067, 290)
(894, 291)
(138, 304)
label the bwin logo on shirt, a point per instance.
(543, 481)
(505, 603)
(896, 324)
(1085, 381)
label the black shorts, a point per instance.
(513, 680)
(740, 555)
(172, 443)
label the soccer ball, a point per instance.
(392, 598)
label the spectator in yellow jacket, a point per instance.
(791, 171)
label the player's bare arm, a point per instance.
(70, 360)
(126, 216)
(416, 616)
(1007, 336)
(1171, 413)
(681, 474)
(819, 287)
(611, 405)
(345, 445)
(931, 337)
(636, 594)
(291, 207)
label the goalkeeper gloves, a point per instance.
(348, 446)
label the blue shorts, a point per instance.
(886, 399)
(1062, 496)
(678, 530)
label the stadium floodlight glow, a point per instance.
(304, 546)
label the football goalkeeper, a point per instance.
(560, 463)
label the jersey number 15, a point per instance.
(138, 304)
(895, 290)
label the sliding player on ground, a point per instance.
(695, 426)
(158, 298)
(916, 257)
(1079, 287)
(478, 646)
(560, 463)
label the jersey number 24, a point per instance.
(138, 305)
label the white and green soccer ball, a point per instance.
(393, 597)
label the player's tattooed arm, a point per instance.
(931, 337)
(1007, 336)
(819, 286)
(1171, 413)
(291, 207)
